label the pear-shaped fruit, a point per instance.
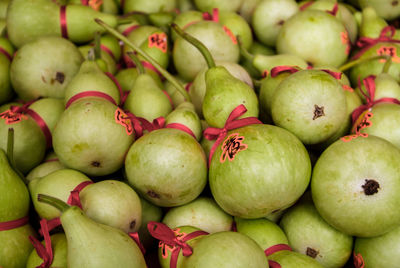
(112, 203)
(387, 9)
(185, 19)
(147, 100)
(93, 136)
(202, 213)
(60, 183)
(44, 169)
(44, 67)
(264, 63)
(274, 162)
(59, 246)
(105, 62)
(224, 5)
(238, 26)
(226, 249)
(91, 244)
(362, 196)
(175, 95)
(371, 23)
(269, 16)
(148, 7)
(185, 114)
(386, 86)
(50, 110)
(255, 49)
(247, 9)
(167, 167)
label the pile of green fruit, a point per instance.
(199, 133)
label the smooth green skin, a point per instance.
(150, 212)
(92, 244)
(255, 49)
(59, 246)
(161, 19)
(107, 6)
(6, 45)
(206, 145)
(90, 77)
(49, 109)
(25, 21)
(184, 19)
(167, 167)
(187, 59)
(222, 5)
(140, 37)
(6, 91)
(108, 63)
(275, 216)
(87, 137)
(384, 122)
(14, 195)
(111, 43)
(3, 8)
(224, 93)
(127, 77)
(59, 184)
(319, 32)
(29, 143)
(374, 67)
(15, 246)
(197, 90)
(271, 174)
(305, 229)
(149, 6)
(175, 95)
(238, 26)
(202, 213)
(44, 169)
(247, 8)
(385, 8)
(263, 231)
(185, 5)
(185, 114)
(266, 63)
(371, 24)
(267, 28)
(380, 251)
(226, 249)
(165, 262)
(290, 259)
(113, 203)
(293, 105)
(35, 65)
(386, 86)
(338, 194)
(147, 100)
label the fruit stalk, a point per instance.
(353, 63)
(138, 64)
(52, 201)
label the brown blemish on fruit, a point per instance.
(95, 163)
(153, 194)
(395, 3)
(312, 252)
(132, 224)
(318, 111)
(60, 77)
(281, 22)
(370, 187)
(43, 79)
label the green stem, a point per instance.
(10, 154)
(97, 49)
(52, 201)
(164, 72)
(387, 65)
(195, 42)
(353, 63)
(243, 51)
(138, 64)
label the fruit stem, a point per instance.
(353, 63)
(10, 153)
(52, 201)
(164, 72)
(97, 50)
(195, 42)
(243, 50)
(138, 64)
(387, 65)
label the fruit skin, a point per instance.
(361, 197)
(149, 6)
(223, 5)
(387, 9)
(226, 249)
(290, 259)
(167, 167)
(59, 245)
(271, 174)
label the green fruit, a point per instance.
(167, 167)
(371, 24)
(290, 259)
(264, 63)
(148, 7)
(269, 172)
(238, 26)
(127, 77)
(185, 115)
(59, 246)
(222, 5)
(359, 198)
(44, 169)
(387, 9)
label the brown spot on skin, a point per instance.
(281, 22)
(395, 3)
(153, 194)
(312, 252)
(43, 79)
(95, 164)
(60, 77)
(370, 187)
(132, 224)
(318, 111)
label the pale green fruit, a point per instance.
(371, 24)
(247, 8)
(223, 5)
(59, 246)
(106, 62)
(238, 26)
(92, 137)
(60, 183)
(44, 169)
(361, 197)
(264, 63)
(290, 259)
(167, 167)
(387, 9)
(149, 7)
(202, 213)
(185, 115)
(112, 203)
(386, 86)
(49, 109)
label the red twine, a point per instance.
(9, 225)
(232, 122)
(334, 10)
(135, 237)
(358, 260)
(213, 17)
(5, 53)
(167, 236)
(130, 29)
(63, 21)
(365, 43)
(45, 252)
(292, 69)
(90, 94)
(369, 95)
(273, 249)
